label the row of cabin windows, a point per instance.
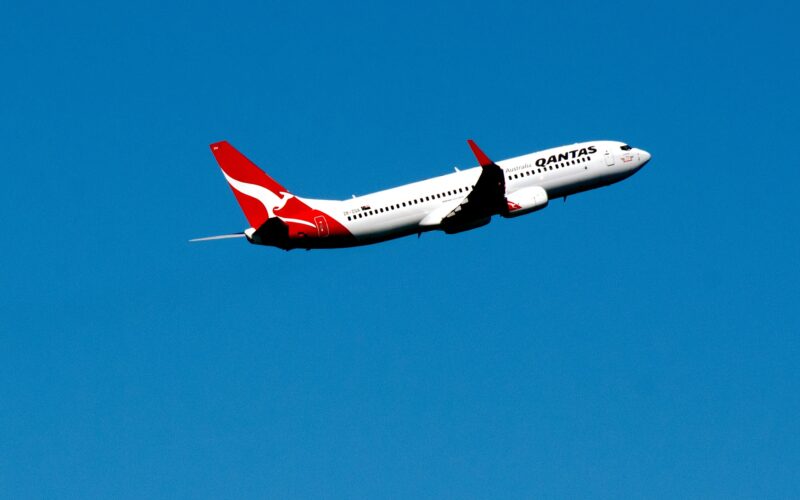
(416, 201)
(543, 169)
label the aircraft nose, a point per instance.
(644, 156)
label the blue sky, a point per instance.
(636, 341)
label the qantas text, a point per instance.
(568, 155)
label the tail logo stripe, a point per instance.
(267, 198)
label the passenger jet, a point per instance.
(456, 202)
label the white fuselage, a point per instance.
(559, 171)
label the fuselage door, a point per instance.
(322, 226)
(609, 158)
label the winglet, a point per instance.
(480, 155)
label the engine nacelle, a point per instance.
(526, 200)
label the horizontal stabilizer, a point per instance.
(219, 237)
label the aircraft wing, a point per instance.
(487, 198)
(436, 217)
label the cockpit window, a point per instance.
(625, 148)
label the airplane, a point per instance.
(452, 203)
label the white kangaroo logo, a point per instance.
(270, 200)
(282, 200)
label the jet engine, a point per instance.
(526, 200)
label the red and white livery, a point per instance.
(459, 201)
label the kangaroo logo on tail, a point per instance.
(268, 199)
(259, 195)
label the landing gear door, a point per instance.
(322, 226)
(609, 158)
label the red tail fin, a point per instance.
(257, 193)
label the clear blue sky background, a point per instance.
(636, 341)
